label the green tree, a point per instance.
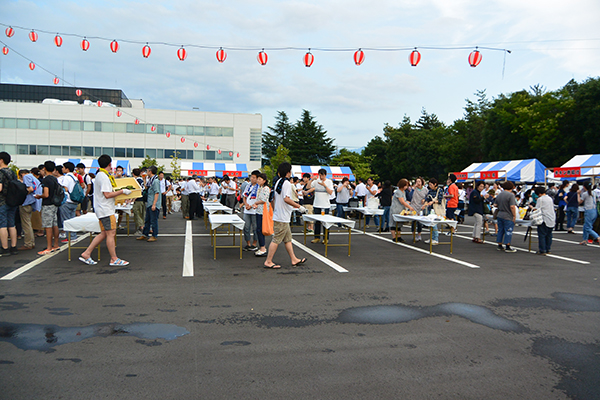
(175, 166)
(280, 134)
(309, 143)
(148, 162)
(281, 155)
(358, 163)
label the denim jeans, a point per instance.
(588, 224)
(259, 234)
(151, 222)
(505, 230)
(572, 216)
(544, 238)
(386, 217)
(339, 210)
(67, 212)
(318, 224)
(368, 219)
(249, 227)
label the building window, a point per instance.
(151, 153)
(129, 152)
(97, 151)
(88, 151)
(65, 150)
(88, 126)
(119, 152)
(33, 124)
(22, 123)
(75, 125)
(55, 151)
(24, 149)
(138, 153)
(55, 125)
(140, 128)
(75, 151)
(43, 124)
(10, 123)
(98, 126)
(65, 125)
(42, 150)
(109, 151)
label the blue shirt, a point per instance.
(31, 182)
(153, 188)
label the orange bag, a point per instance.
(267, 220)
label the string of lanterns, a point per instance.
(119, 113)
(414, 58)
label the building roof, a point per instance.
(37, 94)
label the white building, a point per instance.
(34, 128)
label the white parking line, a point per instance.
(527, 251)
(319, 257)
(454, 260)
(188, 253)
(40, 260)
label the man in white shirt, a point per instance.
(104, 206)
(282, 213)
(361, 191)
(185, 198)
(249, 198)
(194, 195)
(372, 190)
(321, 205)
(229, 189)
(213, 191)
(67, 210)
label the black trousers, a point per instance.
(194, 200)
(164, 204)
(199, 207)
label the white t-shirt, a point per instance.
(282, 212)
(250, 194)
(68, 181)
(102, 206)
(229, 187)
(299, 187)
(361, 190)
(321, 195)
(214, 189)
(369, 194)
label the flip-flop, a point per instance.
(44, 252)
(274, 266)
(299, 262)
(119, 263)
(89, 261)
(55, 249)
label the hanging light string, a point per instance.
(251, 48)
(97, 99)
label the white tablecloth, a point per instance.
(328, 220)
(424, 220)
(365, 210)
(216, 220)
(214, 207)
(84, 223)
(125, 208)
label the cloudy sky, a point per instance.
(551, 43)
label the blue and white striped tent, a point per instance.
(91, 164)
(587, 160)
(334, 173)
(189, 168)
(525, 171)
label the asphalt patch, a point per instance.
(560, 302)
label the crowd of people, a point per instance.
(58, 193)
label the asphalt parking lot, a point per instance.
(400, 323)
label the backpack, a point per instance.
(77, 195)
(14, 190)
(59, 197)
(91, 185)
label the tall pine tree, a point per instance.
(277, 135)
(309, 144)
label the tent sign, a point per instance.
(340, 176)
(489, 175)
(569, 172)
(462, 175)
(232, 174)
(197, 172)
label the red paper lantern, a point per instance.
(475, 58)
(99, 103)
(31, 66)
(221, 55)
(56, 80)
(308, 59)
(85, 45)
(262, 58)
(195, 144)
(119, 113)
(114, 46)
(414, 58)
(9, 31)
(208, 147)
(137, 121)
(238, 155)
(182, 54)
(5, 50)
(33, 36)
(146, 50)
(58, 40)
(359, 57)
(219, 151)
(231, 154)
(153, 128)
(182, 140)
(168, 134)
(78, 92)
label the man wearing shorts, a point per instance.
(282, 212)
(49, 210)
(7, 213)
(104, 206)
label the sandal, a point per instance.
(55, 249)
(274, 266)
(44, 252)
(119, 263)
(299, 262)
(88, 261)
